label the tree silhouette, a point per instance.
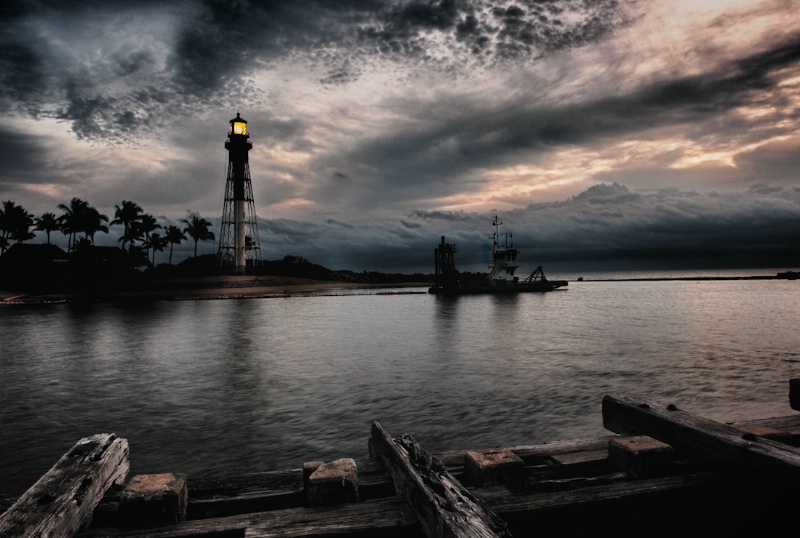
(15, 224)
(91, 221)
(174, 236)
(80, 217)
(47, 223)
(137, 256)
(69, 219)
(82, 244)
(142, 228)
(126, 213)
(198, 229)
(157, 243)
(80, 222)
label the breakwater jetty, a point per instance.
(660, 471)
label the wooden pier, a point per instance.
(660, 471)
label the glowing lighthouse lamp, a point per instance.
(238, 238)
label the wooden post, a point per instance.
(794, 394)
(443, 506)
(495, 466)
(333, 483)
(641, 455)
(700, 437)
(61, 502)
(155, 498)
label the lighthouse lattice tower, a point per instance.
(239, 245)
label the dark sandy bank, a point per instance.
(211, 287)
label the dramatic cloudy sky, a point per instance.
(625, 133)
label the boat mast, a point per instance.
(503, 259)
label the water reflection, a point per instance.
(223, 386)
(445, 325)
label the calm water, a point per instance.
(259, 384)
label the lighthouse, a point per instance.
(239, 246)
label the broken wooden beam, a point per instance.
(442, 504)
(700, 437)
(61, 502)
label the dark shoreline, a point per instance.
(247, 287)
(216, 288)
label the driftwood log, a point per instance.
(444, 507)
(61, 502)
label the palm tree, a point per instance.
(142, 228)
(198, 229)
(137, 256)
(91, 221)
(174, 236)
(80, 217)
(132, 235)
(69, 220)
(47, 223)
(82, 244)
(126, 213)
(15, 224)
(157, 243)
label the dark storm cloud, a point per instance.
(226, 39)
(21, 74)
(485, 91)
(608, 223)
(456, 135)
(674, 228)
(692, 99)
(220, 43)
(487, 33)
(21, 156)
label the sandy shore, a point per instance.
(219, 287)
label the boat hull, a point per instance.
(533, 287)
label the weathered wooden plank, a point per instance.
(533, 452)
(215, 496)
(218, 496)
(382, 517)
(700, 437)
(706, 502)
(393, 517)
(443, 506)
(62, 501)
(615, 488)
(553, 488)
(271, 482)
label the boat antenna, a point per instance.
(496, 223)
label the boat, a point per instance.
(502, 266)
